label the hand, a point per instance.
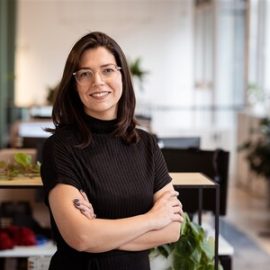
(84, 206)
(166, 210)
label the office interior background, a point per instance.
(207, 64)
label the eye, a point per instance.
(84, 74)
(108, 70)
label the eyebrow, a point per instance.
(105, 65)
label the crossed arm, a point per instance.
(83, 232)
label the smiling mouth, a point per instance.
(100, 94)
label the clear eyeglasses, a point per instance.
(86, 76)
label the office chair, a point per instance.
(213, 164)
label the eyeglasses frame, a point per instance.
(74, 73)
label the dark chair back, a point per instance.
(213, 164)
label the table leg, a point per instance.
(217, 224)
(200, 206)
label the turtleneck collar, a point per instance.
(100, 126)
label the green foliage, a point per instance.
(136, 69)
(193, 251)
(258, 151)
(137, 72)
(22, 166)
(51, 95)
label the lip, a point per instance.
(99, 94)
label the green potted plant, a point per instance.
(23, 165)
(193, 251)
(258, 155)
(137, 72)
(258, 151)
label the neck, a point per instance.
(100, 126)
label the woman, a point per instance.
(95, 148)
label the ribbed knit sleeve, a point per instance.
(57, 166)
(162, 176)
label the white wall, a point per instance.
(158, 31)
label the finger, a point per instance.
(174, 193)
(179, 204)
(82, 207)
(178, 218)
(86, 204)
(181, 213)
(173, 197)
(84, 195)
(178, 210)
(176, 202)
(88, 214)
(78, 202)
(181, 219)
(85, 209)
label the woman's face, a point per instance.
(99, 83)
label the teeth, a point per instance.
(99, 94)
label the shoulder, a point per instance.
(147, 138)
(145, 135)
(58, 147)
(62, 137)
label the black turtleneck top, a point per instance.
(119, 180)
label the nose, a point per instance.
(98, 79)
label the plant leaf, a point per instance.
(23, 159)
(164, 250)
(195, 256)
(193, 251)
(22, 166)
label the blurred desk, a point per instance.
(181, 180)
(21, 182)
(191, 180)
(46, 249)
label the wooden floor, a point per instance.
(251, 215)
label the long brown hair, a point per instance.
(68, 108)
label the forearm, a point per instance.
(168, 234)
(95, 235)
(101, 235)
